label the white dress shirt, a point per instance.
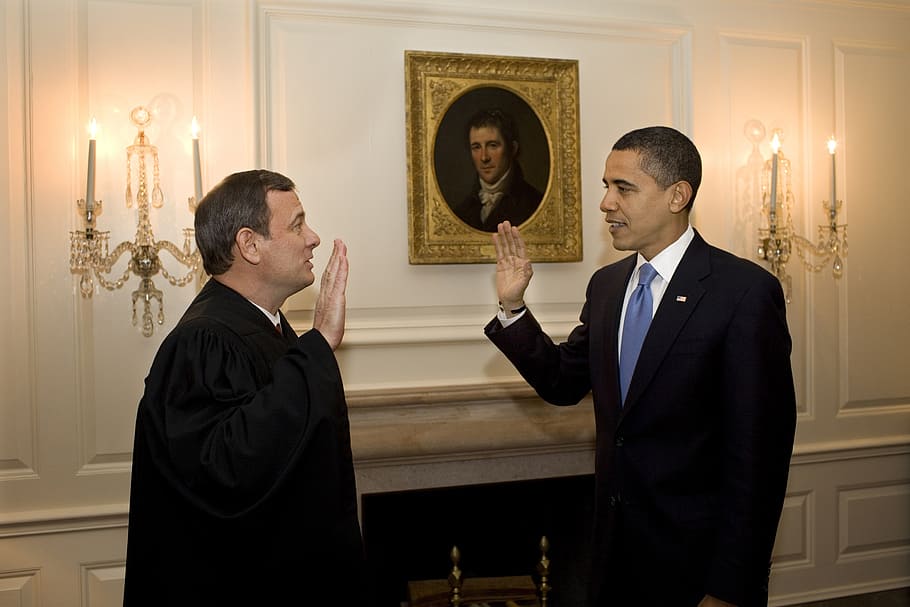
(665, 263)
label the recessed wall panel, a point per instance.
(19, 589)
(793, 543)
(875, 88)
(103, 585)
(873, 520)
(129, 67)
(766, 80)
(17, 407)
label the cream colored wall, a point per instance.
(316, 90)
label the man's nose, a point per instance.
(608, 203)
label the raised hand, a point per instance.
(328, 317)
(513, 268)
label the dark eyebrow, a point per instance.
(621, 183)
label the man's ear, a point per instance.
(681, 196)
(247, 243)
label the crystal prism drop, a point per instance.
(157, 197)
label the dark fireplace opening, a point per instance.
(497, 527)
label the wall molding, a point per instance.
(270, 16)
(63, 520)
(368, 327)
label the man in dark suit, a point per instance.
(695, 432)
(501, 192)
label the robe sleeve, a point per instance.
(227, 434)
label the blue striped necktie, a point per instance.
(635, 326)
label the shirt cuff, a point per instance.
(505, 322)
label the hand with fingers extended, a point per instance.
(328, 317)
(513, 268)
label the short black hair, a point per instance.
(239, 201)
(666, 155)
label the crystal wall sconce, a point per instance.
(777, 238)
(91, 256)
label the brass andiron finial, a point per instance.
(455, 580)
(543, 570)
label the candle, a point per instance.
(90, 184)
(775, 147)
(197, 169)
(832, 147)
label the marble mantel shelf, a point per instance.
(465, 422)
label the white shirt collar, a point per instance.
(275, 318)
(668, 260)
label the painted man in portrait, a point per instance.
(501, 192)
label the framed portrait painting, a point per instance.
(489, 139)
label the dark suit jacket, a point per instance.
(691, 473)
(518, 203)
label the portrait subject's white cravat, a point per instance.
(488, 201)
(491, 194)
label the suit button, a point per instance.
(619, 441)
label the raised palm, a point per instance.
(513, 268)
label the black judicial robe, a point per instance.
(242, 490)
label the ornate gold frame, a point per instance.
(433, 81)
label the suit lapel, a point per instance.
(679, 301)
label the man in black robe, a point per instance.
(243, 483)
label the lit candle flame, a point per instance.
(832, 145)
(92, 128)
(195, 128)
(775, 143)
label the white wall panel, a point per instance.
(793, 545)
(77, 568)
(862, 510)
(873, 86)
(124, 71)
(766, 81)
(338, 128)
(19, 590)
(18, 445)
(855, 521)
(102, 584)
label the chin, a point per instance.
(307, 280)
(619, 244)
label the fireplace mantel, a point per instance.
(425, 437)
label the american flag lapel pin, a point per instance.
(681, 298)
